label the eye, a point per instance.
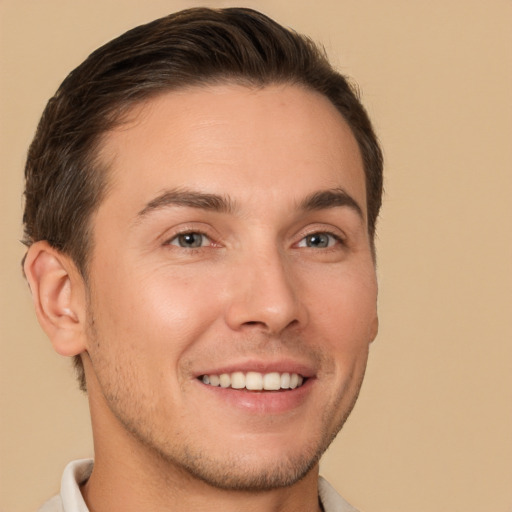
(319, 240)
(191, 240)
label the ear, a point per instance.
(58, 292)
(374, 328)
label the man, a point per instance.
(201, 200)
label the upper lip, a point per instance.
(261, 366)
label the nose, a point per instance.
(265, 294)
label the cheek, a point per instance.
(154, 314)
(344, 305)
(343, 316)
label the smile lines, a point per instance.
(254, 381)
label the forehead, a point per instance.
(279, 141)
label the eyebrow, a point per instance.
(320, 200)
(331, 199)
(190, 199)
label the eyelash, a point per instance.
(188, 233)
(302, 243)
(335, 237)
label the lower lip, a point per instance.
(262, 402)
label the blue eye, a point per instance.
(190, 240)
(319, 240)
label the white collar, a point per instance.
(75, 473)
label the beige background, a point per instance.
(433, 428)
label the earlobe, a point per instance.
(58, 293)
(374, 328)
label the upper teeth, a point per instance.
(255, 381)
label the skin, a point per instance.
(257, 293)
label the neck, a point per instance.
(127, 491)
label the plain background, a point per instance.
(433, 427)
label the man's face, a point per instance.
(232, 246)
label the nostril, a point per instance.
(253, 323)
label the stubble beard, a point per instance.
(235, 473)
(232, 472)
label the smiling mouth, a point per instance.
(255, 381)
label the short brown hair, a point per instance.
(64, 181)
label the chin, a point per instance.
(259, 464)
(248, 473)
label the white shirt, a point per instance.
(70, 498)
